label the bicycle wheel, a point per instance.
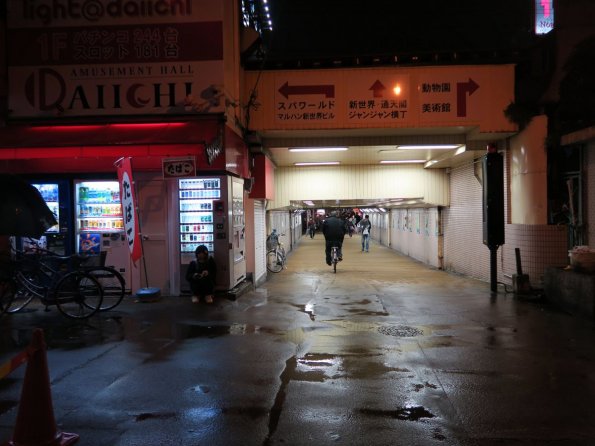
(78, 295)
(26, 287)
(274, 261)
(112, 283)
(8, 289)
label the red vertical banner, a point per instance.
(128, 201)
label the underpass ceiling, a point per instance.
(363, 148)
(473, 147)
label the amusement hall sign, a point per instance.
(114, 57)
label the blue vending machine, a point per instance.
(58, 238)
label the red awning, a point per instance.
(46, 136)
(55, 147)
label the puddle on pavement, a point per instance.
(189, 331)
(414, 413)
(307, 309)
(155, 415)
(248, 412)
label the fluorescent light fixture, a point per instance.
(318, 149)
(460, 150)
(308, 203)
(429, 147)
(321, 163)
(402, 161)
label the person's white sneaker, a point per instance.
(195, 299)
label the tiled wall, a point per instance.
(540, 246)
(464, 251)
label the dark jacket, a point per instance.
(196, 267)
(334, 228)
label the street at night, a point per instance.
(385, 352)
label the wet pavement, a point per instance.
(384, 352)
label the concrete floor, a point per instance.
(384, 352)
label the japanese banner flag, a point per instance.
(128, 199)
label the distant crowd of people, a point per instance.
(336, 226)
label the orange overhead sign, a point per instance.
(383, 97)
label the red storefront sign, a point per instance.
(128, 198)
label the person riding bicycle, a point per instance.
(334, 231)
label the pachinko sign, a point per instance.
(131, 225)
(70, 58)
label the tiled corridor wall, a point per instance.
(464, 251)
(415, 232)
(540, 246)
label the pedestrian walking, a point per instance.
(365, 227)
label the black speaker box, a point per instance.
(493, 200)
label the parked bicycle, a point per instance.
(276, 258)
(112, 282)
(77, 294)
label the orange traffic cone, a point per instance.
(35, 425)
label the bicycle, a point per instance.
(112, 282)
(334, 258)
(276, 258)
(77, 294)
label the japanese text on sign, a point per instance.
(437, 106)
(179, 168)
(378, 109)
(305, 110)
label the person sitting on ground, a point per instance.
(334, 230)
(201, 274)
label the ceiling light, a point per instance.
(318, 149)
(308, 203)
(460, 150)
(429, 147)
(402, 161)
(322, 163)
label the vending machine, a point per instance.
(211, 213)
(56, 195)
(99, 224)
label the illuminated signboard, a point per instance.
(544, 16)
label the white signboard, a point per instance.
(70, 58)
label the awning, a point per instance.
(71, 147)
(93, 135)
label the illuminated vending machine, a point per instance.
(211, 213)
(100, 225)
(55, 239)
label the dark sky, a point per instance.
(329, 28)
